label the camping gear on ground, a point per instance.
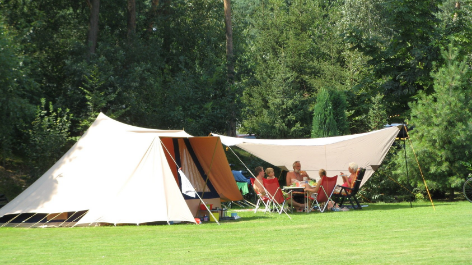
(236, 217)
(215, 217)
(241, 181)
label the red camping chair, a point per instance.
(276, 198)
(260, 199)
(325, 192)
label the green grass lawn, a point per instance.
(378, 234)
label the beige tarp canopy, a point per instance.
(119, 173)
(331, 153)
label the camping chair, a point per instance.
(325, 192)
(260, 199)
(350, 193)
(276, 198)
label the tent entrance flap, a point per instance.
(190, 165)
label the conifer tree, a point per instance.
(377, 113)
(339, 106)
(324, 124)
(442, 137)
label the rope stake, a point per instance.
(421, 171)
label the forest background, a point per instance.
(274, 68)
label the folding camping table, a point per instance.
(301, 190)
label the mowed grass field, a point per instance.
(391, 233)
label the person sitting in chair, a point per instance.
(258, 182)
(296, 175)
(270, 173)
(349, 181)
(310, 190)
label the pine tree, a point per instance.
(339, 106)
(442, 136)
(324, 124)
(377, 113)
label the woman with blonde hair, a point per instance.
(349, 180)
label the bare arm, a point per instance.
(345, 178)
(258, 188)
(352, 179)
(304, 174)
(317, 187)
(314, 189)
(288, 179)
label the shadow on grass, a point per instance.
(395, 206)
(245, 218)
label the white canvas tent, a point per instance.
(331, 153)
(117, 173)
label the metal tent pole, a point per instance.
(406, 164)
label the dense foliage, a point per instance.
(329, 115)
(349, 65)
(443, 119)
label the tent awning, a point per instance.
(331, 153)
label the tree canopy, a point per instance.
(277, 69)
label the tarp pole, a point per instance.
(424, 181)
(406, 161)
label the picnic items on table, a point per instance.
(298, 189)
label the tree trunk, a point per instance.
(131, 18)
(230, 65)
(451, 194)
(93, 27)
(229, 41)
(152, 15)
(458, 6)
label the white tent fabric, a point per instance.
(116, 172)
(331, 153)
